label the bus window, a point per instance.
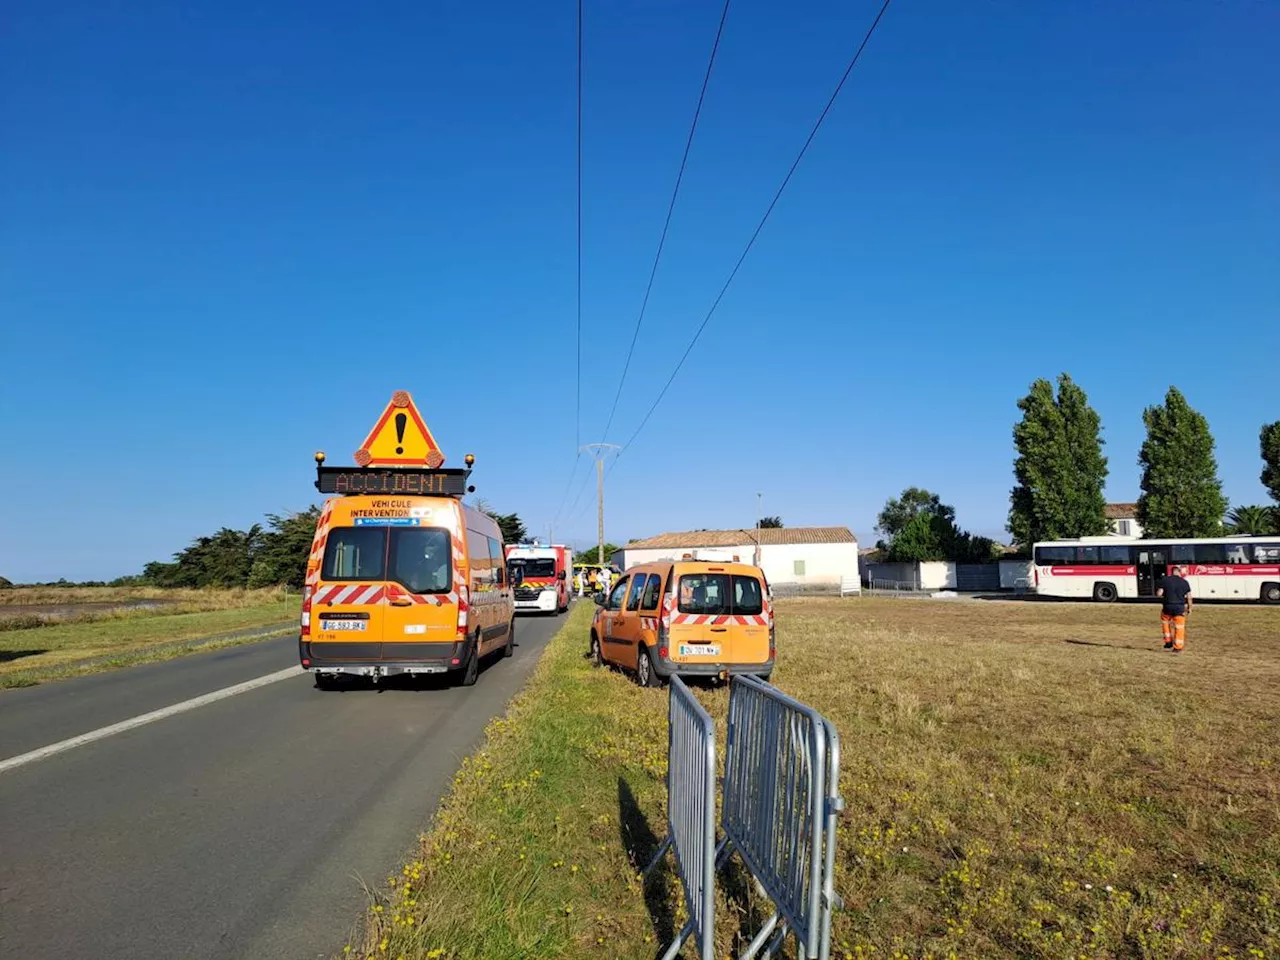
(1208, 553)
(1185, 553)
(1050, 556)
(1088, 555)
(1116, 556)
(1266, 553)
(1236, 552)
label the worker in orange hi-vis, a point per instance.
(1176, 594)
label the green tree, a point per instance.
(1269, 440)
(592, 555)
(900, 511)
(513, 529)
(1060, 470)
(920, 527)
(923, 537)
(1253, 520)
(1181, 493)
(771, 523)
(281, 557)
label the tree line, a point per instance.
(1060, 472)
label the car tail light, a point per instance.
(306, 611)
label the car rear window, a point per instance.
(418, 558)
(720, 593)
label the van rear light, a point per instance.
(663, 652)
(306, 611)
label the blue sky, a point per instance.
(231, 230)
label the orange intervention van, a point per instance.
(403, 584)
(692, 618)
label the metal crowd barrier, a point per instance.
(780, 805)
(691, 816)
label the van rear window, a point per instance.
(720, 594)
(417, 558)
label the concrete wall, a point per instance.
(1012, 570)
(824, 563)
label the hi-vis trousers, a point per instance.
(1174, 627)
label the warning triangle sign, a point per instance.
(400, 438)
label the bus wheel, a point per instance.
(1104, 592)
(1271, 593)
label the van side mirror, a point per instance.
(562, 575)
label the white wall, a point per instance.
(1135, 529)
(824, 563)
(1012, 570)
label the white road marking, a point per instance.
(101, 733)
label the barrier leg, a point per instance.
(776, 943)
(673, 951)
(759, 939)
(657, 857)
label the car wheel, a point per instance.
(1271, 593)
(1104, 592)
(597, 659)
(510, 649)
(471, 672)
(646, 676)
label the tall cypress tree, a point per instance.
(1060, 470)
(1269, 439)
(1181, 493)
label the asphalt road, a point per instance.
(245, 827)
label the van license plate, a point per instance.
(357, 625)
(699, 650)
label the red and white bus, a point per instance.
(1105, 569)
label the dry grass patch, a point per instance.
(1021, 779)
(72, 648)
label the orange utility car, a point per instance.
(402, 584)
(694, 618)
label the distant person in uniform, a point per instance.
(1176, 594)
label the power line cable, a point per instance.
(666, 226)
(763, 220)
(577, 414)
(577, 417)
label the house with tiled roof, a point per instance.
(811, 558)
(1123, 518)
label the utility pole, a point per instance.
(599, 451)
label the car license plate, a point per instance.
(342, 624)
(699, 650)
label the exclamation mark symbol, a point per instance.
(401, 421)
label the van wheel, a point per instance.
(471, 673)
(326, 681)
(597, 660)
(1104, 592)
(646, 676)
(510, 648)
(1271, 593)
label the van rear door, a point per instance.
(345, 620)
(420, 615)
(750, 624)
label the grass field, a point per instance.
(105, 639)
(1021, 780)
